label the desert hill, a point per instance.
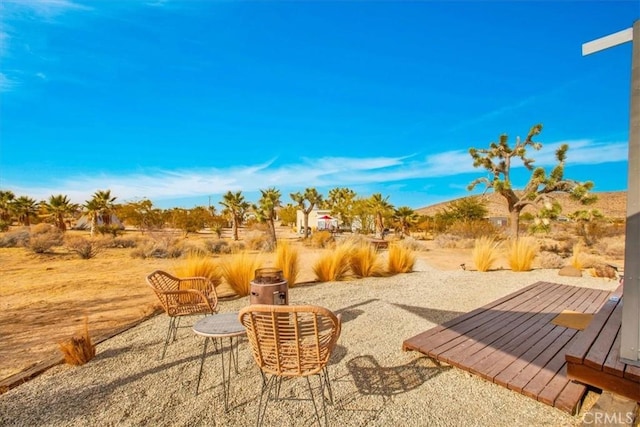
(611, 204)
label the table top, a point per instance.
(219, 326)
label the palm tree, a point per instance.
(406, 217)
(314, 198)
(92, 209)
(236, 205)
(105, 205)
(381, 208)
(59, 206)
(26, 208)
(268, 203)
(6, 199)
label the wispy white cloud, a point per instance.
(326, 172)
(7, 84)
(47, 8)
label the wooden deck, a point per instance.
(513, 343)
(594, 359)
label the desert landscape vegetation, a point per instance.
(48, 294)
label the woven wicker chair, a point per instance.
(291, 341)
(182, 297)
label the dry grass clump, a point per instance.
(43, 237)
(485, 253)
(452, 241)
(83, 247)
(334, 265)
(238, 271)
(550, 260)
(577, 256)
(521, 252)
(197, 265)
(288, 260)
(321, 239)
(14, 239)
(611, 247)
(401, 259)
(603, 270)
(258, 241)
(365, 261)
(78, 350)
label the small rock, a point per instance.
(570, 271)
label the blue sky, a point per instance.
(181, 101)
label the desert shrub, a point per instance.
(321, 239)
(521, 252)
(158, 248)
(413, 244)
(120, 243)
(288, 260)
(14, 239)
(4, 225)
(109, 230)
(83, 247)
(238, 271)
(43, 237)
(218, 246)
(334, 265)
(485, 253)
(78, 350)
(258, 240)
(364, 261)
(197, 265)
(453, 241)
(603, 270)
(611, 247)
(550, 260)
(400, 259)
(473, 229)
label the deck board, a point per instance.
(594, 359)
(512, 342)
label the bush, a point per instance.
(84, 248)
(521, 252)
(550, 260)
(197, 265)
(159, 248)
(258, 241)
(400, 259)
(120, 243)
(365, 261)
(238, 271)
(14, 239)
(453, 241)
(44, 237)
(334, 264)
(109, 230)
(4, 225)
(321, 239)
(288, 260)
(485, 253)
(473, 229)
(218, 246)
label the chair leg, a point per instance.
(171, 332)
(313, 400)
(327, 381)
(264, 395)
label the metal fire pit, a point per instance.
(269, 287)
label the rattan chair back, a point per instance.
(290, 340)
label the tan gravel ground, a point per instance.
(375, 383)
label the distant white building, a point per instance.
(319, 219)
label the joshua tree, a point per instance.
(59, 206)
(381, 208)
(497, 160)
(314, 198)
(340, 201)
(236, 205)
(266, 209)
